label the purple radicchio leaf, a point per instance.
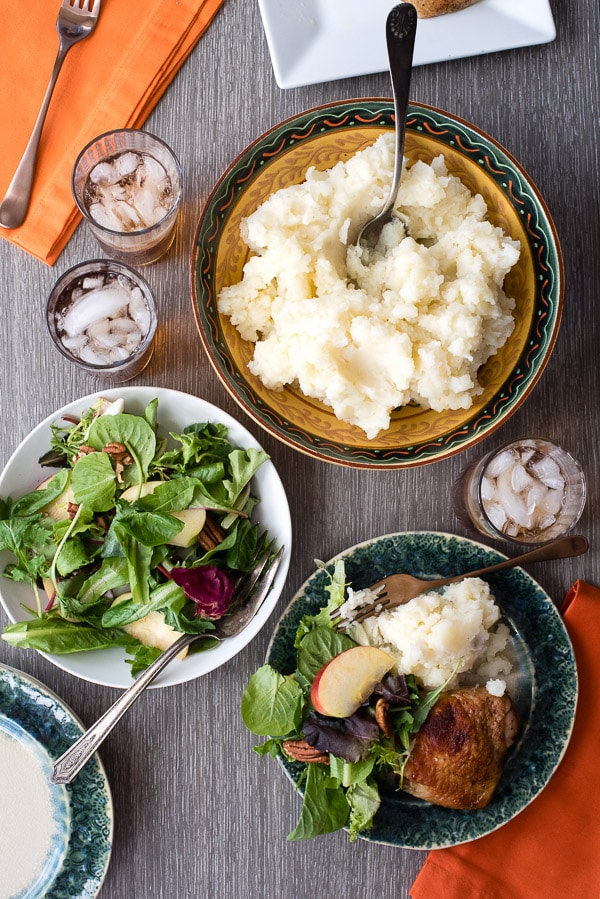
(208, 587)
(394, 689)
(346, 738)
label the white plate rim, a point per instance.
(313, 41)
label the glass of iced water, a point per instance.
(530, 490)
(127, 184)
(102, 317)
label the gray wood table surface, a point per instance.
(197, 813)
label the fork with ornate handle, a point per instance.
(249, 596)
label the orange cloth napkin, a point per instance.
(551, 850)
(112, 79)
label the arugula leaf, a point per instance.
(272, 703)
(335, 588)
(325, 807)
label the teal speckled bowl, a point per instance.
(35, 710)
(544, 687)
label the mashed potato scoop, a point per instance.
(401, 28)
(398, 589)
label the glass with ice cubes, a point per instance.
(127, 185)
(102, 317)
(530, 490)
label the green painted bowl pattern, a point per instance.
(467, 141)
(546, 683)
(39, 712)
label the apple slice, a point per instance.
(58, 509)
(193, 520)
(152, 630)
(348, 679)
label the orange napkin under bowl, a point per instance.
(112, 79)
(550, 850)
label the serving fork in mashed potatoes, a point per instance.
(367, 331)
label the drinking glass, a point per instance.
(101, 316)
(530, 490)
(128, 185)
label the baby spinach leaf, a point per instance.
(133, 432)
(169, 496)
(148, 528)
(318, 647)
(37, 499)
(126, 611)
(325, 807)
(139, 558)
(113, 573)
(94, 483)
(73, 555)
(272, 703)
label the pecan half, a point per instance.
(383, 718)
(118, 452)
(300, 751)
(84, 450)
(211, 535)
(72, 510)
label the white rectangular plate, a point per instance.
(312, 41)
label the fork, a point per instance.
(76, 21)
(249, 596)
(398, 589)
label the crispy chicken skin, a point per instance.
(458, 754)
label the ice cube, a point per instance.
(139, 311)
(520, 480)
(488, 489)
(92, 281)
(515, 508)
(105, 217)
(93, 357)
(104, 173)
(501, 462)
(496, 515)
(127, 216)
(548, 471)
(127, 163)
(92, 306)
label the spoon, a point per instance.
(398, 589)
(401, 27)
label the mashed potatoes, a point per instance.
(428, 635)
(366, 332)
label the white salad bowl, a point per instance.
(176, 411)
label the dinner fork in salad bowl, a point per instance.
(76, 20)
(250, 593)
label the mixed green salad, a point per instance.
(136, 538)
(344, 759)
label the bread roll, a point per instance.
(428, 8)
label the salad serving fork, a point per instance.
(248, 597)
(398, 589)
(76, 20)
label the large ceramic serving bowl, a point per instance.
(175, 412)
(541, 655)
(321, 137)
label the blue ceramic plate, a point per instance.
(80, 845)
(542, 656)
